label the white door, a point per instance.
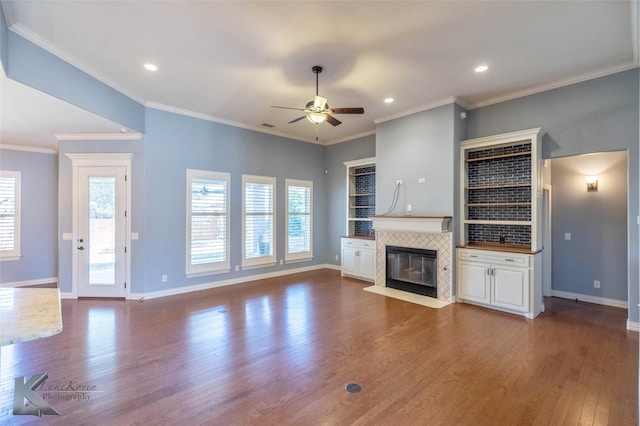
(100, 239)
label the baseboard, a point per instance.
(591, 299)
(633, 326)
(334, 267)
(27, 283)
(222, 283)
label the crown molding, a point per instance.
(554, 85)
(34, 38)
(98, 137)
(29, 149)
(211, 118)
(350, 138)
(436, 104)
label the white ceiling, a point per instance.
(229, 61)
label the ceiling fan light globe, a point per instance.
(316, 117)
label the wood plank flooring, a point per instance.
(282, 350)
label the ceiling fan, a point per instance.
(318, 109)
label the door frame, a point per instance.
(100, 160)
(547, 258)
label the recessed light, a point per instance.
(481, 68)
(388, 100)
(150, 67)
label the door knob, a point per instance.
(80, 248)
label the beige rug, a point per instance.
(406, 296)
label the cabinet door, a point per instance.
(366, 263)
(511, 288)
(474, 282)
(349, 260)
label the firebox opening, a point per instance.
(413, 270)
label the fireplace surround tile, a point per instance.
(440, 242)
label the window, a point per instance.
(207, 223)
(258, 225)
(299, 220)
(9, 215)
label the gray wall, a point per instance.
(336, 172)
(175, 143)
(39, 216)
(597, 222)
(420, 145)
(592, 116)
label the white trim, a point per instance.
(68, 295)
(305, 255)
(350, 138)
(360, 162)
(222, 283)
(39, 281)
(209, 268)
(98, 136)
(100, 160)
(432, 105)
(29, 149)
(214, 119)
(633, 326)
(411, 224)
(14, 254)
(553, 85)
(68, 58)
(623, 304)
(260, 261)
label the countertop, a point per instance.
(500, 247)
(29, 314)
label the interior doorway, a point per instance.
(590, 228)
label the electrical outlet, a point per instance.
(567, 236)
(165, 278)
(282, 261)
(596, 284)
(237, 267)
(337, 257)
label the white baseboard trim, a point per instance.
(68, 295)
(633, 326)
(334, 267)
(591, 299)
(222, 283)
(27, 283)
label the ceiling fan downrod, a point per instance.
(317, 69)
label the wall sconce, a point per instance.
(592, 183)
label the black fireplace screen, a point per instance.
(413, 270)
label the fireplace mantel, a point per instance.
(427, 224)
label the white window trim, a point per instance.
(263, 261)
(9, 255)
(307, 255)
(211, 268)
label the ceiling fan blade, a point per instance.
(332, 120)
(297, 119)
(281, 107)
(350, 110)
(319, 102)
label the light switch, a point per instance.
(567, 236)
(134, 236)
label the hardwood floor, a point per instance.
(281, 351)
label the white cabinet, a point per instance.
(501, 280)
(359, 258)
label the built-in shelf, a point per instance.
(497, 204)
(361, 187)
(506, 185)
(495, 157)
